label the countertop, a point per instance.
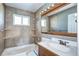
(61, 37)
(72, 52)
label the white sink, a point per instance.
(57, 46)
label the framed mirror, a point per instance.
(62, 21)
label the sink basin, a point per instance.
(57, 46)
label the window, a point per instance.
(26, 20)
(17, 20)
(43, 23)
(21, 20)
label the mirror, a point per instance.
(60, 22)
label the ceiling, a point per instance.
(32, 7)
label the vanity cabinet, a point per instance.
(45, 52)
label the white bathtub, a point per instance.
(25, 50)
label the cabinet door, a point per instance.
(45, 52)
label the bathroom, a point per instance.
(48, 29)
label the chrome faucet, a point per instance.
(63, 42)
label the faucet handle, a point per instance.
(63, 42)
(66, 42)
(60, 40)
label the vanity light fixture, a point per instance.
(45, 10)
(48, 8)
(42, 11)
(52, 5)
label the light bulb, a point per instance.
(48, 7)
(42, 11)
(45, 10)
(52, 5)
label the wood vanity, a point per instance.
(54, 49)
(61, 34)
(45, 52)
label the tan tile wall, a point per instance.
(1, 28)
(38, 21)
(18, 35)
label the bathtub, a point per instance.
(25, 50)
